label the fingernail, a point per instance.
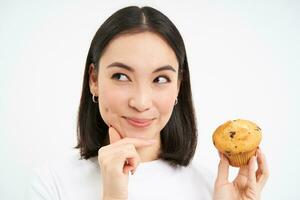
(132, 172)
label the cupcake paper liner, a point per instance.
(237, 160)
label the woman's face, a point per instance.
(137, 84)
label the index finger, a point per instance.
(115, 137)
(137, 142)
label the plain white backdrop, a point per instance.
(244, 62)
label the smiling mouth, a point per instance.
(137, 122)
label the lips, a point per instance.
(138, 122)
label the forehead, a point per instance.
(144, 50)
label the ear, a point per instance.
(93, 79)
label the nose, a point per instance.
(141, 100)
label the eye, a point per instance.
(120, 77)
(162, 79)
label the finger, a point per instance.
(116, 158)
(127, 167)
(223, 169)
(130, 162)
(137, 142)
(243, 171)
(262, 168)
(242, 176)
(124, 143)
(251, 172)
(131, 165)
(114, 136)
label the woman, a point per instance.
(136, 123)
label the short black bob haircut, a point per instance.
(179, 136)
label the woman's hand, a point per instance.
(116, 160)
(247, 185)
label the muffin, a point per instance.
(237, 140)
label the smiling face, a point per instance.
(137, 84)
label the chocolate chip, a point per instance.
(235, 146)
(232, 133)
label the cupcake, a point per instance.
(237, 140)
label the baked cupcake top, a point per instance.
(237, 136)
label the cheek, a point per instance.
(109, 105)
(166, 103)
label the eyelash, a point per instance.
(115, 77)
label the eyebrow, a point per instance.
(124, 66)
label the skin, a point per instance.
(248, 183)
(139, 93)
(143, 92)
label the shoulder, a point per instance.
(48, 178)
(65, 164)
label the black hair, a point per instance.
(179, 136)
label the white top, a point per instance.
(73, 179)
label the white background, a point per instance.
(244, 63)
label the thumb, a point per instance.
(251, 172)
(223, 169)
(114, 136)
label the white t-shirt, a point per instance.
(70, 178)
